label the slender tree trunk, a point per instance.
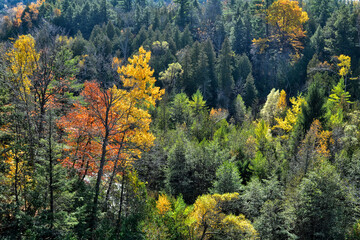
(42, 117)
(93, 217)
(204, 233)
(85, 173)
(51, 189)
(118, 225)
(16, 182)
(112, 176)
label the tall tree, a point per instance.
(115, 121)
(224, 69)
(286, 19)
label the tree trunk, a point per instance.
(113, 174)
(118, 225)
(98, 181)
(51, 189)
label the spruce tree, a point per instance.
(213, 83)
(250, 91)
(224, 69)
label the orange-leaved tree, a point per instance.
(111, 126)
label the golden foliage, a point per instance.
(286, 19)
(121, 111)
(208, 215)
(261, 43)
(23, 59)
(287, 124)
(57, 12)
(163, 204)
(240, 227)
(345, 64)
(317, 139)
(282, 101)
(30, 15)
(116, 63)
(138, 76)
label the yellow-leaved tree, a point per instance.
(115, 122)
(210, 217)
(286, 20)
(344, 64)
(288, 122)
(22, 60)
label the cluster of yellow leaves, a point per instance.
(138, 77)
(23, 59)
(116, 63)
(261, 43)
(18, 10)
(18, 168)
(287, 19)
(282, 101)
(82, 60)
(345, 64)
(65, 40)
(163, 204)
(57, 12)
(325, 140)
(138, 95)
(288, 123)
(262, 132)
(124, 112)
(208, 215)
(239, 226)
(287, 16)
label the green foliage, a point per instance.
(224, 69)
(240, 110)
(257, 193)
(227, 179)
(324, 205)
(270, 109)
(250, 91)
(180, 110)
(339, 96)
(221, 126)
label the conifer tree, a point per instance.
(224, 69)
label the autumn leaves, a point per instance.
(286, 19)
(104, 129)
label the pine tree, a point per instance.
(213, 83)
(227, 179)
(250, 91)
(240, 109)
(224, 69)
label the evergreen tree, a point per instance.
(213, 83)
(240, 36)
(202, 75)
(224, 69)
(314, 107)
(250, 91)
(324, 208)
(178, 178)
(227, 179)
(183, 15)
(340, 33)
(240, 109)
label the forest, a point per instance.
(180, 119)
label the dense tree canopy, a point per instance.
(184, 119)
